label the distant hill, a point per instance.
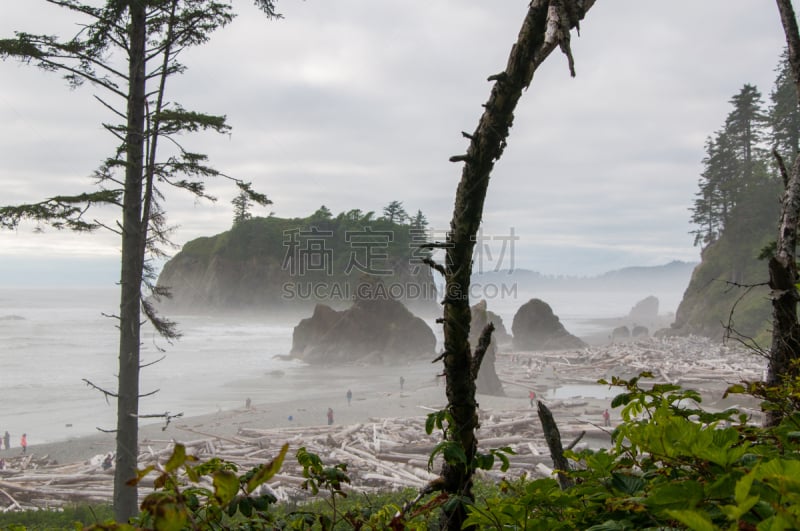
(674, 274)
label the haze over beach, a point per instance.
(601, 228)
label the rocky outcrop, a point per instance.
(640, 331)
(620, 332)
(280, 265)
(645, 310)
(371, 331)
(488, 382)
(536, 327)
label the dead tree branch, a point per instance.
(553, 438)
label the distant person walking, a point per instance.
(532, 396)
(7, 440)
(606, 418)
(23, 441)
(349, 396)
(330, 416)
(402, 382)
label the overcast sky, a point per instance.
(353, 104)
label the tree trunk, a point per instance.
(785, 348)
(133, 233)
(546, 26)
(553, 438)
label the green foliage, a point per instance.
(672, 466)
(69, 517)
(269, 241)
(453, 453)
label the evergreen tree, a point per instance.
(394, 212)
(784, 113)
(322, 213)
(744, 127)
(129, 50)
(419, 221)
(241, 207)
(734, 164)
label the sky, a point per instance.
(353, 104)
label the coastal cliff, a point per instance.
(279, 264)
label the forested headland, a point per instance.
(736, 209)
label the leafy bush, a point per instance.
(68, 517)
(672, 466)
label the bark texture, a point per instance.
(133, 232)
(546, 25)
(785, 347)
(553, 438)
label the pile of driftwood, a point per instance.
(693, 362)
(380, 455)
(394, 453)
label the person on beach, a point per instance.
(606, 418)
(7, 440)
(532, 396)
(330, 416)
(349, 396)
(23, 441)
(402, 382)
(108, 461)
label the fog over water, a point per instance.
(51, 339)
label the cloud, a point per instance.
(355, 104)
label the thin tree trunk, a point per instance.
(785, 348)
(125, 496)
(546, 26)
(553, 438)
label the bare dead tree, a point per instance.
(785, 347)
(547, 25)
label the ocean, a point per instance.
(53, 339)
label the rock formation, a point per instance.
(535, 327)
(280, 265)
(488, 382)
(372, 331)
(645, 310)
(620, 332)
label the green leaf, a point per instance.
(734, 389)
(246, 507)
(506, 463)
(266, 472)
(742, 489)
(692, 519)
(226, 485)
(675, 495)
(630, 485)
(430, 422)
(621, 400)
(170, 517)
(177, 458)
(140, 474)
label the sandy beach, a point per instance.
(384, 421)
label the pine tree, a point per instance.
(734, 164)
(241, 207)
(394, 212)
(128, 50)
(419, 221)
(744, 127)
(784, 113)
